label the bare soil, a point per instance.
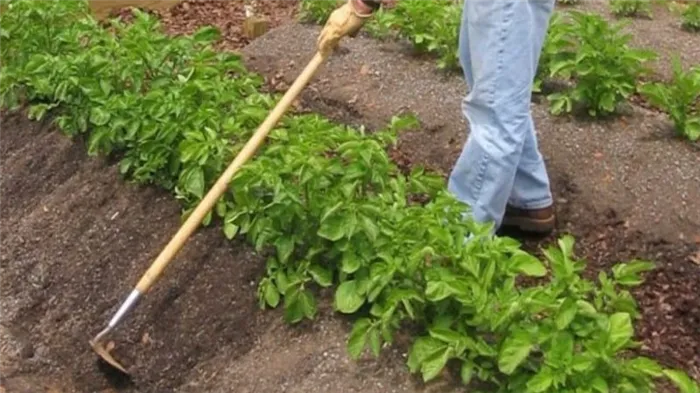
(75, 237)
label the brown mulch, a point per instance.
(186, 17)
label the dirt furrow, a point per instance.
(74, 252)
(75, 247)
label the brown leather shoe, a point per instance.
(539, 221)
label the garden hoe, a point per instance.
(204, 207)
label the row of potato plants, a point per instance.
(689, 13)
(590, 58)
(329, 209)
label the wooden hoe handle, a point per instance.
(212, 197)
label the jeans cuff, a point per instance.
(534, 204)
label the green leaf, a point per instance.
(282, 281)
(358, 337)
(207, 218)
(484, 349)
(332, 228)
(375, 342)
(514, 351)
(207, 34)
(586, 308)
(566, 243)
(421, 349)
(566, 313)
(272, 295)
(541, 381)
(347, 297)
(581, 363)
(558, 103)
(195, 182)
(436, 291)
(561, 351)
(628, 273)
(682, 381)
(328, 213)
(370, 227)
(99, 116)
(230, 230)
(620, 330)
(221, 208)
(528, 264)
(445, 335)
(466, 372)
(433, 364)
(692, 129)
(599, 385)
(293, 308)
(285, 247)
(106, 87)
(351, 262)
(308, 304)
(321, 275)
(37, 111)
(646, 366)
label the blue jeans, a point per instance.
(499, 48)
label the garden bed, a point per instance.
(75, 236)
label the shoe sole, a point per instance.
(541, 226)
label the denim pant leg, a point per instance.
(495, 44)
(531, 189)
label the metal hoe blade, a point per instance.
(96, 342)
(104, 354)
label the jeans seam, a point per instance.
(507, 14)
(480, 175)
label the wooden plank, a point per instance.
(102, 8)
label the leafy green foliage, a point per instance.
(379, 26)
(691, 17)
(558, 336)
(317, 11)
(329, 209)
(630, 8)
(680, 98)
(130, 89)
(601, 63)
(554, 50)
(682, 381)
(437, 34)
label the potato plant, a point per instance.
(430, 26)
(329, 209)
(631, 8)
(554, 49)
(680, 98)
(317, 11)
(603, 67)
(690, 17)
(436, 34)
